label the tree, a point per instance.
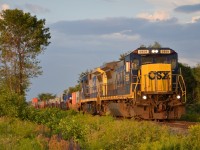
(196, 73)
(82, 75)
(122, 56)
(22, 38)
(190, 82)
(70, 90)
(155, 45)
(46, 96)
(143, 46)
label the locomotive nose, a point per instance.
(156, 78)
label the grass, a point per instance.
(17, 134)
(91, 133)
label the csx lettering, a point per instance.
(158, 75)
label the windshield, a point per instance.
(147, 60)
(159, 59)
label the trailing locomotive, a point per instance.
(146, 84)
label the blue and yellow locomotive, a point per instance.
(146, 84)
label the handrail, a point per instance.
(136, 85)
(182, 86)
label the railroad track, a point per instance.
(178, 126)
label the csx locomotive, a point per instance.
(146, 84)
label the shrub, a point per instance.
(11, 104)
(17, 134)
(73, 128)
(192, 140)
(126, 134)
(192, 113)
(194, 108)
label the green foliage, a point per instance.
(82, 75)
(192, 113)
(94, 132)
(19, 135)
(194, 117)
(122, 56)
(23, 37)
(73, 128)
(76, 88)
(125, 135)
(11, 104)
(155, 45)
(196, 73)
(193, 138)
(49, 117)
(190, 82)
(46, 96)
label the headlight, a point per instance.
(154, 51)
(144, 97)
(178, 96)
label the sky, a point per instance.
(87, 33)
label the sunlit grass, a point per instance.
(56, 129)
(17, 134)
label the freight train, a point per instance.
(146, 84)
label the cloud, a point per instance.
(172, 3)
(111, 0)
(191, 61)
(126, 28)
(122, 33)
(188, 8)
(4, 7)
(36, 8)
(120, 36)
(156, 16)
(195, 19)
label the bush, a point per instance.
(73, 128)
(192, 113)
(191, 117)
(125, 134)
(192, 140)
(11, 104)
(194, 108)
(17, 134)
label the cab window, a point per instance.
(147, 60)
(135, 64)
(173, 63)
(161, 60)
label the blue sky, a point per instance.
(87, 33)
